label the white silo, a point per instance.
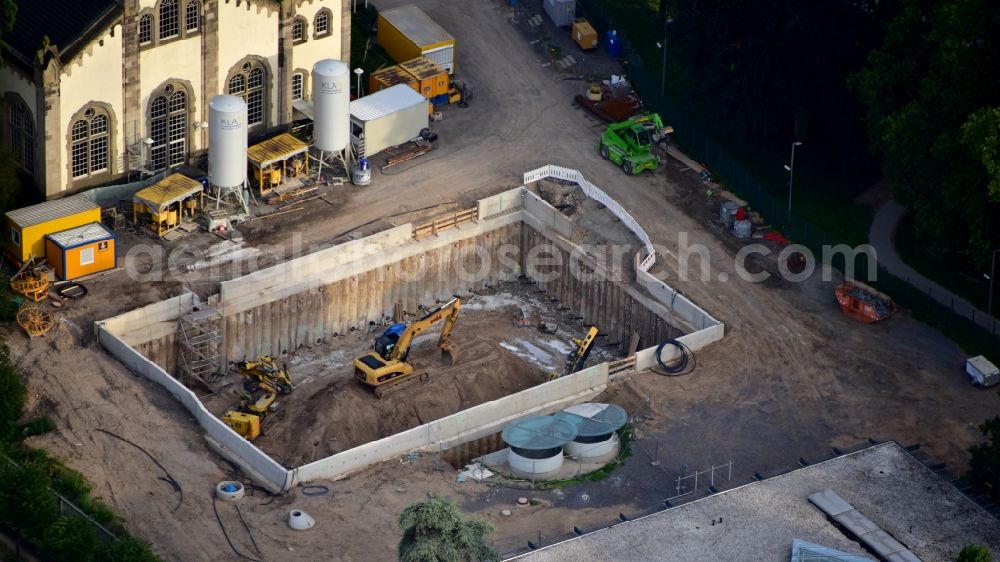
(331, 105)
(227, 142)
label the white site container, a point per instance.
(386, 118)
(982, 371)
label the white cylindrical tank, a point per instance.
(331, 105)
(535, 468)
(227, 141)
(595, 450)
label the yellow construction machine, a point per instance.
(578, 357)
(388, 359)
(264, 380)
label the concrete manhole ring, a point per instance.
(229, 490)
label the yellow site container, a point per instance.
(27, 227)
(432, 80)
(389, 77)
(407, 32)
(584, 34)
(81, 251)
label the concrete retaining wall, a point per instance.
(463, 426)
(262, 468)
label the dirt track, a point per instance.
(792, 378)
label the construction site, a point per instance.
(433, 277)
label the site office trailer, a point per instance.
(26, 228)
(387, 118)
(81, 251)
(407, 32)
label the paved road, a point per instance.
(880, 236)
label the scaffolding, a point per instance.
(200, 346)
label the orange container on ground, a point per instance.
(81, 251)
(432, 79)
(584, 34)
(864, 303)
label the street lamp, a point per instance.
(663, 73)
(993, 265)
(791, 176)
(359, 72)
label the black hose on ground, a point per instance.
(225, 534)
(678, 366)
(168, 478)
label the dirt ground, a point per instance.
(501, 351)
(792, 378)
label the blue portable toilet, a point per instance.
(614, 44)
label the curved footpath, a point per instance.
(880, 236)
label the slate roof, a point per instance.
(67, 23)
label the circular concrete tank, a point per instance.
(536, 445)
(595, 425)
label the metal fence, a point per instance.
(962, 324)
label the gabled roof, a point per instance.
(67, 23)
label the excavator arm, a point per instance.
(447, 312)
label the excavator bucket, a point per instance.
(449, 353)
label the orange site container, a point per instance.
(81, 251)
(432, 80)
(864, 303)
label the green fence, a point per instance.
(696, 143)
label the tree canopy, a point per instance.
(932, 92)
(435, 531)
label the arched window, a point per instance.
(298, 84)
(250, 83)
(22, 136)
(191, 16)
(322, 22)
(169, 16)
(299, 30)
(146, 29)
(168, 127)
(89, 143)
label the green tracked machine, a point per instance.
(628, 143)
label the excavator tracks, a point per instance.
(395, 386)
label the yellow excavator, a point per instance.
(578, 357)
(387, 362)
(264, 380)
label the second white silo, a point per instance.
(227, 142)
(331, 105)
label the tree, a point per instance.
(12, 394)
(70, 539)
(927, 92)
(25, 499)
(975, 553)
(435, 531)
(8, 10)
(984, 466)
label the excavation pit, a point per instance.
(502, 351)
(317, 312)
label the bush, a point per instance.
(25, 499)
(70, 539)
(984, 466)
(12, 394)
(975, 553)
(127, 550)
